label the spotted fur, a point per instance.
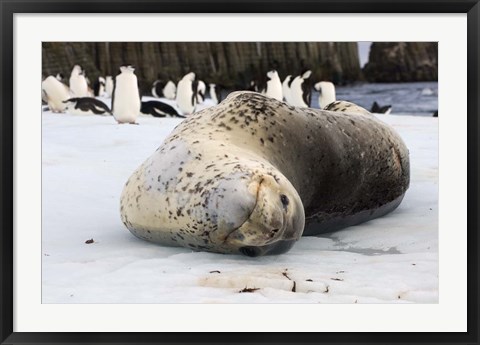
(251, 174)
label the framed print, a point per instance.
(239, 172)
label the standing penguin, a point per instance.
(286, 88)
(157, 89)
(187, 94)
(109, 86)
(78, 83)
(162, 89)
(300, 90)
(126, 101)
(54, 93)
(201, 89)
(215, 93)
(252, 86)
(99, 87)
(274, 86)
(326, 95)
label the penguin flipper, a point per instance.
(113, 92)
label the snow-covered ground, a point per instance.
(87, 159)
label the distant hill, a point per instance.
(232, 64)
(402, 62)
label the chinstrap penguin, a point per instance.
(300, 90)
(86, 105)
(54, 93)
(126, 101)
(186, 94)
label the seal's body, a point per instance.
(249, 175)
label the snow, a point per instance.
(87, 159)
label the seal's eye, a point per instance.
(284, 200)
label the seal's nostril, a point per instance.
(250, 251)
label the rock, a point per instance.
(402, 62)
(230, 64)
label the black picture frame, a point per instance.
(10, 7)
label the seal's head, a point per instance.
(269, 215)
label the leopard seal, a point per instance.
(253, 174)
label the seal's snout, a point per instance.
(275, 248)
(276, 221)
(251, 251)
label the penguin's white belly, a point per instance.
(213, 95)
(55, 93)
(327, 94)
(56, 104)
(286, 93)
(297, 100)
(101, 91)
(185, 100)
(79, 87)
(324, 100)
(296, 94)
(109, 88)
(169, 90)
(126, 107)
(274, 90)
(126, 110)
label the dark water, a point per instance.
(406, 98)
(419, 98)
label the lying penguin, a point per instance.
(86, 105)
(158, 109)
(377, 109)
